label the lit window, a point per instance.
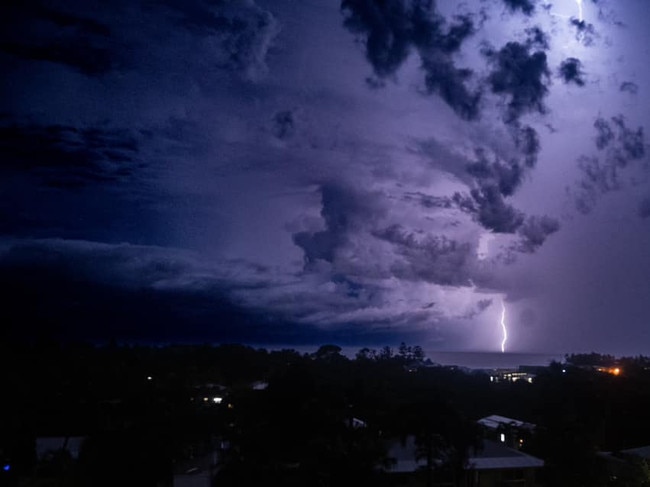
(503, 438)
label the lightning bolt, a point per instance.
(503, 327)
(580, 14)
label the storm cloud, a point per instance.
(394, 29)
(621, 150)
(290, 172)
(571, 71)
(67, 156)
(521, 75)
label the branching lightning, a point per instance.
(503, 327)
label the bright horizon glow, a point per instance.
(503, 327)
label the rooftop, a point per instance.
(495, 421)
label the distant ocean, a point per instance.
(492, 360)
(471, 360)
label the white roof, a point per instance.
(497, 456)
(495, 421)
(642, 451)
(491, 457)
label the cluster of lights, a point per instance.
(215, 399)
(610, 370)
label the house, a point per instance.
(491, 465)
(498, 465)
(47, 446)
(196, 472)
(625, 464)
(512, 432)
(511, 375)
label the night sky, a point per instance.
(301, 172)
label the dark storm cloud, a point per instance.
(598, 178)
(527, 141)
(504, 175)
(173, 294)
(534, 232)
(488, 207)
(444, 79)
(644, 208)
(537, 38)
(429, 201)
(283, 124)
(341, 208)
(619, 147)
(521, 75)
(31, 31)
(68, 156)
(525, 6)
(491, 179)
(604, 133)
(629, 87)
(96, 40)
(430, 258)
(242, 30)
(623, 144)
(80, 290)
(393, 29)
(571, 71)
(585, 32)
(631, 142)
(42, 303)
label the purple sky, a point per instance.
(363, 172)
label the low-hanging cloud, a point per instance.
(570, 71)
(392, 30)
(527, 7)
(520, 74)
(620, 148)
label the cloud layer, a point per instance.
(286, 171)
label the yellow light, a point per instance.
(616, 371)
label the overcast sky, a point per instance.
(363, 172)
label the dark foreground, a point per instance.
(156, 416)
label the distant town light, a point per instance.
(149, 377)
(616, 371)
(205, 399)
(217, 400)
(564, 371)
